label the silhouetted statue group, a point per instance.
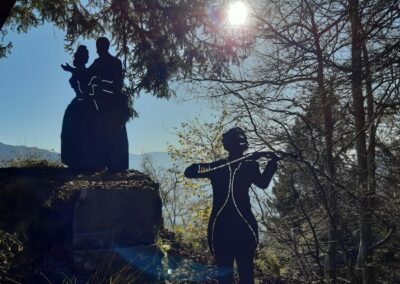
(94, 137)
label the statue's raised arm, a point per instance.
(68, 68)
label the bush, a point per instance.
(10, 248)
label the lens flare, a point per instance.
(237, 13)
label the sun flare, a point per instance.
(237, 13)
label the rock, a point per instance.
(118, 226)
(106, 218)
(84, 223)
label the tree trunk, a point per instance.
(372, 128)
(364, 256)
(326, 101)
(369, 198)
(331, 258)
(5, 10)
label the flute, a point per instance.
(279, 154)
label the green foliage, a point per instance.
(187, 202)
(267, 263)
(197, 142)
(5, 49)
(303, 52)
(158, 40)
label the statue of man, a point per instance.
(107, 81)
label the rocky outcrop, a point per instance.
(90, 226)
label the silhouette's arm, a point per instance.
(112, 85)
(263, 179)
(68, 68)
(80, 90)
(198, 171)
(108, 86)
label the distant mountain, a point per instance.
(160, 159)
(11, 152)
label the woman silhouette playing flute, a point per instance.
(232, 228)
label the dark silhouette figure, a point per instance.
(78, 128)
(107, 81)
(232, 228)
(106, 144)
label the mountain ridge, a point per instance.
(15, 152)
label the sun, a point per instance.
(237, 13)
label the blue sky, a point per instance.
(34, 92)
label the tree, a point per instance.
(5, 10)
(320, 78)
(322, 47)
(157, 40)
(198, 142)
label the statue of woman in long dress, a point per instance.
(79, 150)
(232, 228)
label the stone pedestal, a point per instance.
(115, 218)
(88, 227)
(115, 227)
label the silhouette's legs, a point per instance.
(244, 260)
(225, 267)
(115, 137)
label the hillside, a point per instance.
(11, 152)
